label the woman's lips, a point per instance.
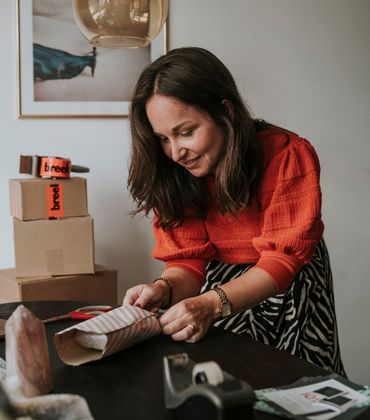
(192, 163)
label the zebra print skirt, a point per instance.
(301, 320)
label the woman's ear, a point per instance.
(229, 107)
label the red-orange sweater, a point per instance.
(277, 232)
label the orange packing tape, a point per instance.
(48, 166)
(54, 200)
(54, 167)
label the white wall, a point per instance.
(302, 64)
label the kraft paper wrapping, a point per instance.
(105, 334)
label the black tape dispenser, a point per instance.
(203, 391)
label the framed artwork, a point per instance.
(61, 75)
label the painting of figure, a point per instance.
(50, 63)
(66, 66)
(61, 74)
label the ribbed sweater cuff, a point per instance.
(194, 266)
(281, 267)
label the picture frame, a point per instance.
(103, 93)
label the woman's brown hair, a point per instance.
(198, 78)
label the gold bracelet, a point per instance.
(170, 285)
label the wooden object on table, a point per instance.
(27, 356)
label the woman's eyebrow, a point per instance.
(177, 127)
(174, 129)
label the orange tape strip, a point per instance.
(52, 167)
(54, 200)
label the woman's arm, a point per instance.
(189, 319)
(154, 296)
(199, 311)
(250, 289)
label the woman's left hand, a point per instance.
(190, 319)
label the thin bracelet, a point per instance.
(170, 285)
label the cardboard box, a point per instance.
(54, 247)
(100, 287)
(37, 198)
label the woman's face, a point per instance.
(188, 137)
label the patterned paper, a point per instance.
(121, 328)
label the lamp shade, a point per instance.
(120, 23)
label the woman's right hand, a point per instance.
(147, 296)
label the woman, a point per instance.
(237, 213)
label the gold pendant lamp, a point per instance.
(120, 23)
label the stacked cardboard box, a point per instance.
(54, 244)
(100, 287)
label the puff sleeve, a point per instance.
(186, 246)
(291, 206)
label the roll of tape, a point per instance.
(48, 166)
(207, 372)
(55, 167)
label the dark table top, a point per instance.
(129, 384)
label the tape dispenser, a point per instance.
(48, 166)
(203, 391)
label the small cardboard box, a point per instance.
(37, 198)
(100, 287)
(54, 247)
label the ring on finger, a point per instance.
(192, 328)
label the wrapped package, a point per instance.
(105, 334)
